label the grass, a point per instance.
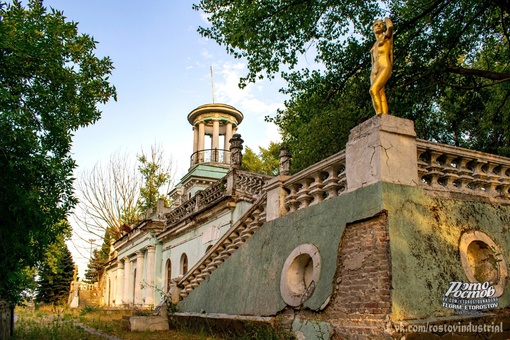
(51, 323)
(48, 323)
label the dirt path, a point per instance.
(96, 332)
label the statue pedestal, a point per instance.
(382, 149)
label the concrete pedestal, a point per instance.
(382, 148)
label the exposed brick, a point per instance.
(361, 300)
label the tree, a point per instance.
(113, 195)
(99, 259)
(50, 85)
(266, 162)
(108, 197)
(156, 173)
(451, 73)
(55, 274)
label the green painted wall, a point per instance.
(424, 240)
(249, 281)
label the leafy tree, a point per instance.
(267, 162)
(156, 175)
(55, 274)
(451, 73)
(50, 85)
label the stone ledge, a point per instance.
(148, 323)
(220, 323)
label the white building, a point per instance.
(208, 200)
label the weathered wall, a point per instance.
(248, 282)
(386, 249)
(5, 320)
(361, 300)
(424, 237)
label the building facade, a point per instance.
(392, 237)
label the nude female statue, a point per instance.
(382, 63)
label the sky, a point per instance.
(162, 72)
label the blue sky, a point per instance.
(162, 72)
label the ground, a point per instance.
(47, 322)
(91, 323)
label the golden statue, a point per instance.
(382, 63)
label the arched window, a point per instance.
(168, 274)
(184, 263)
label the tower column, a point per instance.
(226, 146)
(228, 135)
(216, 134)
(139, 278)
(200, 144)
(149, 295)
(127, 274)
(215, 140)
(120, 280)
(195, 145)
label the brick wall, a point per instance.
(5, 320)
(361, 300)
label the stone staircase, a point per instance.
(319, 182)
(242, 230)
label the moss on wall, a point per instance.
(424, 241)
(249, 281)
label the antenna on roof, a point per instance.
(212, 84)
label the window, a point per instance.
(184, 263)
(208, 247)
(168, 274)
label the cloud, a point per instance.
(206, 54)
(227, 90)
(205, 17)
(251, 101)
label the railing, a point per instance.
(210, 156)
(320, 182)
(448, 168)
(250, 183)
(197, 202)
(243, 229)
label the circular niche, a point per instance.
(482, 260)
(300, 274)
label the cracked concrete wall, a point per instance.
(424, 234)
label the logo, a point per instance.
(470, 297)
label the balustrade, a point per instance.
(228, 243)
(321, 181)
(210, 156)
(447, 168)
